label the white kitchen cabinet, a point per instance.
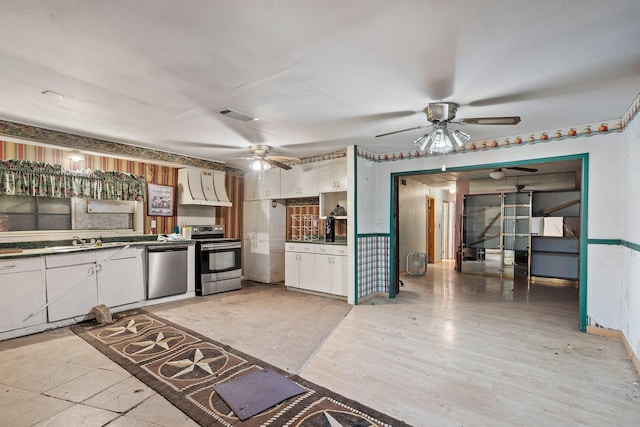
(339, 279)
(299, 265)
(331, 269)
(316, 267)
(63, 271)
(299, 181)
(21, 293)
(120, 280)
(332, 175)
(262, 185)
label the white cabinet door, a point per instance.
(307, 270)
(292, 269)
(269, 184)
(323, 273)
(262, 185)
(79, 300)
(120, 280)
(332, 176)
(21, 293)
(250, 186)
(308, 181)
(339, 275)
(290, 182)
(257, 261)
(299, 181)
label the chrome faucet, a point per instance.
(78, 240)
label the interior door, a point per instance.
(431, 230)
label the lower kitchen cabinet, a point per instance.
(21, 293)
(299, 268)
(64, 271)
(120, 279)
(316, 267)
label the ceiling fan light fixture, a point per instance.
(441, 140)
(260, 165)
(497, 174)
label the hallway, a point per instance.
(450, 350)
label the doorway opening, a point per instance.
(442, 236)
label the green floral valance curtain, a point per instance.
(28, 178)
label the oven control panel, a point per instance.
(207, 229)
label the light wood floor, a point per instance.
(463, 350)
(450, 350)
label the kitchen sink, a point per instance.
(68, 248)
(74, 248)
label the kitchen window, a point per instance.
(30, 213)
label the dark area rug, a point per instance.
(187, 368)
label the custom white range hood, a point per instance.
(200, 187)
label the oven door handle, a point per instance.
(216, 246)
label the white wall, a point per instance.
(630, 150)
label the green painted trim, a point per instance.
(355, 225)
(584, 231)
(615, 242)
(391, 237)
(373, 235)
(494, 165)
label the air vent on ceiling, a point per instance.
(238, 115)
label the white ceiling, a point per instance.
(320, 75)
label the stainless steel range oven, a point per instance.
(218, 267)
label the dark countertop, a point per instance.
(55, 247)
(338, 242)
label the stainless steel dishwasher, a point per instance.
(166, 270)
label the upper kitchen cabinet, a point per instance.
(299, 181)
(262, 185)
(332, 175)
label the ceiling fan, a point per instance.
(445, 112)
(499, 173)
(262, 161)
(442, 140)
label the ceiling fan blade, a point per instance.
(521, 168)
(403, 130)
(283, 159)
(509, 120)
(277, 163)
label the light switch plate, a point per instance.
(153, 223)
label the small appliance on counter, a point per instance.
(330, 229)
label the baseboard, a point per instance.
(614, 333)
(630, 354)
(604, 332)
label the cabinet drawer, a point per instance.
(339, 250)
(19, 265)
(70, 259)
(299, 247)
(323, 249)
(130, 252)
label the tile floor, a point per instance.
(449, 350)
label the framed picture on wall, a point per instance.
(160, 200)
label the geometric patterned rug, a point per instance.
(184, 366)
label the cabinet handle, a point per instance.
(8, 267)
